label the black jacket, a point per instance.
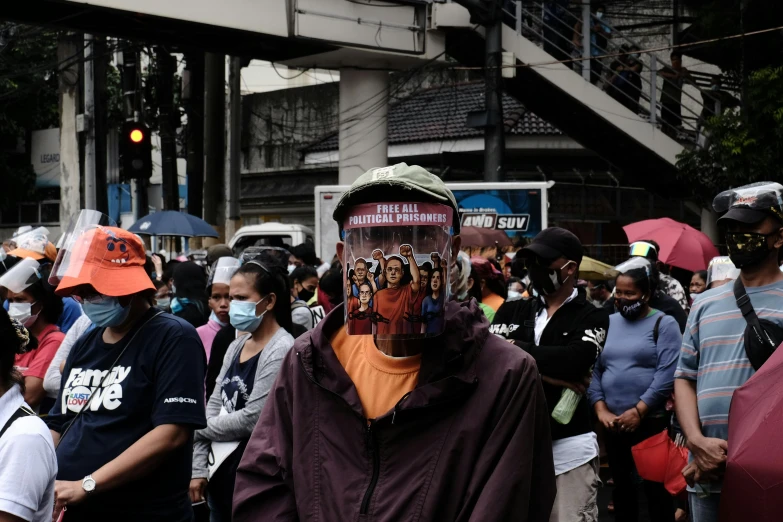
(570, 344)
(665, 304)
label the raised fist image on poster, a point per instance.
(391, 290)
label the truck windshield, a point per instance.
(248, 241)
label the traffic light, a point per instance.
(135, 151)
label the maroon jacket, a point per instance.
(470, 443)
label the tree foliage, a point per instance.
(28, 101)
(742, 146)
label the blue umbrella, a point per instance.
(173, 223)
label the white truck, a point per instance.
(517, 208)
(269, 234)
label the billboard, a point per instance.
(517, 212)
(45, 157)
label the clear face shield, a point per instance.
(397, 264)
(23, 274)
(721, 271)
(33, 241)
(223, 270)
(763, 196)
(83, 240)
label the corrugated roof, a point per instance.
(440, 113)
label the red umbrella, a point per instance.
(753, 486)
(681, 245)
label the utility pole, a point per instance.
(489, 13)
(68, 47)
(494, 139)
(101, 123)
(89, 125)
(214, 130)
(193, 98)
(235, 132)
(132, 97)
(168, 144)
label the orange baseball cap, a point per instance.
(109, 259)
(50, 252)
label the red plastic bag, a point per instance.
(652, 456)
(674, 482)
(658, 459)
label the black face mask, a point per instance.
(546, 280)
(749, 249)
(631, 309)
(305, 294)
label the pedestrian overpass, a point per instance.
(368, 38)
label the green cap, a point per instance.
(401, 183)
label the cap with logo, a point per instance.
(109, 259)
(751, 204)
(399, 183)
(553, 243)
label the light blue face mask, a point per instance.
(243, 315)
(106, 312)
(213, 317)
(164, 302)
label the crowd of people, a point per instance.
(404, 380)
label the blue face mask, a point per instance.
(243, 316)
(178, 304)
(214, 317)
(106, 312)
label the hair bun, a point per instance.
(24, 337)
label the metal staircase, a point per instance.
(563, 75)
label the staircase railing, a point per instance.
(560, 32)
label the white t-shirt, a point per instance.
(28, 464)
(574, 451)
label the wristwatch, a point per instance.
(88, 484)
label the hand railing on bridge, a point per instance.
(561, 34)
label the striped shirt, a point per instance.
(713, 350)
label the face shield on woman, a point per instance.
(18, 279)
(391, 252)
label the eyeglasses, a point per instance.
(92, 298)
(365, 292)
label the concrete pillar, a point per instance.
(364, 107)
(70, 179)
(709, 225)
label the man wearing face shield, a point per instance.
(132, 389)
(442, 425)
(716, 356)
(565, 334)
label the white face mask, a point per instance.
(22, 312)
(599, 15)
(291, 269)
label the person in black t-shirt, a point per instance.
(132, 391)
